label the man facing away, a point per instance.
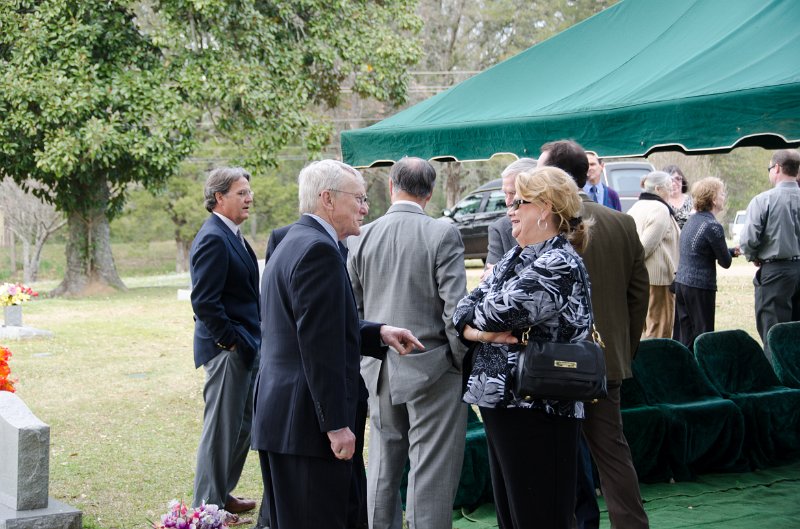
(595, 188)
(771, 240)
(224, 274)
(410, 267)
(307, 385)
(614, 259)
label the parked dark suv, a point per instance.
(473, 214)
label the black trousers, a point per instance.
(695, 310)
(306, 492)
(533, 465)
(587, 512)
(357, 502)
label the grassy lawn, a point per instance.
(118, 387)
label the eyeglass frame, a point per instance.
(243, 193)
(517, 203)
(362, 199)
(769, 169)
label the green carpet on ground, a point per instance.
(766, 498)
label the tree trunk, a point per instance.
(182, 255)
(90, 264)
(27, 277)
(33, 267)
(12, 254)
(452, 183)
(253, 221)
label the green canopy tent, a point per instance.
(699, 76)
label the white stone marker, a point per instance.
(25, 472)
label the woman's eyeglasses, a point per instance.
(517, 203)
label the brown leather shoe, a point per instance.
(236, 505)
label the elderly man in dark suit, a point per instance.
(307, 386)
(410, 267)
(357, 503)
(614, 259)
(227, 336)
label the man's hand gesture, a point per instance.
(401, 340)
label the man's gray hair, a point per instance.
(654, 180)
(415, 176)
(518, 166)
(220, 180)
(316, 177)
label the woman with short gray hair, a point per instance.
(659, 232)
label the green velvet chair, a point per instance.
(736, 365)
(705, 432)
(784, 342)
(645, 429)
(475, 485)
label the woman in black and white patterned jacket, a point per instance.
(536, 285)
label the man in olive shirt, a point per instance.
(771, 240)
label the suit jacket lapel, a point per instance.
(245, 254)
(254, 264)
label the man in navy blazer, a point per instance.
(308, 382)
(595, 188)
(227, 336)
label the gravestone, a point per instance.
(25, 472)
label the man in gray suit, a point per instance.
(409, 268)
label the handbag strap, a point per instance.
(595, 333)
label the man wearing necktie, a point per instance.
(304, 411)
(357, 501)
(595, 188)
(227, 336)
(593, 193)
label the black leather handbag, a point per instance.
(563, 371)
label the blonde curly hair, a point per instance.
(552, 185)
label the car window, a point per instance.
(627, 181)
(467, 206)
(497, 202)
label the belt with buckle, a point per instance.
(793, 258)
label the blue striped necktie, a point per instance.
(593, 193)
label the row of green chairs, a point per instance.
(721, 409)
(784, 343)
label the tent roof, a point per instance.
(641, 76)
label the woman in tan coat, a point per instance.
(659, 233)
